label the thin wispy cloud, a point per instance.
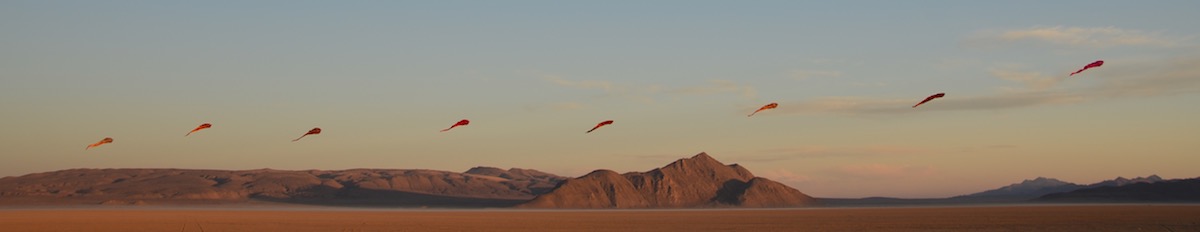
(820, 151)
(718, 87)
(1079, 36)
(877, 171)
(560, 106)
(580, 84)
(814, 74)
(785, 176)
(1031, 80)
(647, 93)
(1120, 79)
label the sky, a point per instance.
(677, 77)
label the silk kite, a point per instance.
(102, 142)
(604, 123)
(314, 131)
(201, 127)
(463, 122)
(766, 107)
(1098, 63)
(930, 98)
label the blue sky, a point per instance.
(677, 77)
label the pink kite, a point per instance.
(766, 107)
(604, 123)
(463, 122)
(102, 142)
(201, 127)
(314, 131)
(1098, 63)
(930, 98)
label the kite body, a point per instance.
(930, 98)
(604, 123)
(463, 122)
(102, 142)
(766, 107)
(201, 127)
(314, 131)
(1098, 63)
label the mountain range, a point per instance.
(699, 181)
(477, 187)
(1050, 190)
(1030, 189)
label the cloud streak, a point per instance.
(881, 171)
(585, 84)
(819, 151)
(718, 87)
(648, 93)
(812, 74)
(1080, 36)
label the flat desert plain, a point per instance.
(983, 218)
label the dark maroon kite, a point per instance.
(930, 98)
(463, 122)
(1098, 63)
(201, 127)
(314, 131)
(604, 123)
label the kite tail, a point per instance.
(447, 129)
(189, 133)
(298, 139)
(590, 131)
(752, 114)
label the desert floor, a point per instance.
(982, 218)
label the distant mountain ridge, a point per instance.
(1166, 191)
(1040, 190)
(699, 181)
(396, 187)
(1030, 189)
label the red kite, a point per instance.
(97, 144)
(201, 127)
(463, 122)
(599, 125)
(315, 130)
(930, 98)
(766, 107)
(1098, 63)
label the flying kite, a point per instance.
(463, 122)
(102, 142)
(201, 127)
(766, 107)
(930, 98)
(604, 123)
(315, 130)
(1098, 63)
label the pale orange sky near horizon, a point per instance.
(678, 79)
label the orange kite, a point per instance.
(314, 131)
(604, 123)
(766, 107)
(102, 142)
(463, 122)
(201, 127)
